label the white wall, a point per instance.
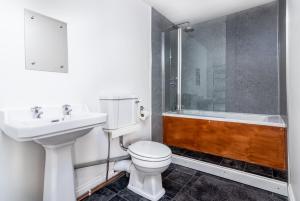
(109, 51)
(293, 84)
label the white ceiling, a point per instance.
(201, 10)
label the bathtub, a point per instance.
(255, 138)
(257, 119)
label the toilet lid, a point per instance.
(150, 149)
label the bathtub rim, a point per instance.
(232, 120)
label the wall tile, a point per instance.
(159, 24)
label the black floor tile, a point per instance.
(192, 180)
(259, 170)
(280, 175)
(185, 184)
(185, 170)
(165, 198)
(211, 188)
(238, 165)
(166, 173)
(131, 196)
(277, 197)
(119, 185)
(207, 188)
(117, 198)
(171, 188)
(193, 155)
(179, 177)
(259, 194)
(249, 194)
(172, 166)
(103, 194)
(177, 150)
(257, 191)
(198, 173)
(184, 196)
(212, 159)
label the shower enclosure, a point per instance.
(229, 64)
(223, 87)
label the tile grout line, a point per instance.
(183, 186)
(221, 161)
(177, 182)
(175, 169)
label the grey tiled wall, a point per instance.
(241, 60)
(282, 58)
(159, 24)
(252, 68)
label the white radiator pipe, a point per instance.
(124, 165)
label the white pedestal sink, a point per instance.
(56, 134)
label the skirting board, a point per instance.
(291, 193)
(257, 181)
(92, 183)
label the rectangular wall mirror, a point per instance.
(46, 46)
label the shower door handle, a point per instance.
(173, 84)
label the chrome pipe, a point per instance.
(121, 142)
(108, 155)
(163, 69)
(100, 162)
(179, 68)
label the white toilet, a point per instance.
(149, 159)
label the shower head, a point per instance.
(188, 29)
(186, 26)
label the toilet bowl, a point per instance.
(149, 160)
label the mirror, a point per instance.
(46, 46)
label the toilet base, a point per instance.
(146, 195)
(146, 185)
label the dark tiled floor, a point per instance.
(239, 165)
(184, 184)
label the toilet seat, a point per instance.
(149, 151)
(142, 158)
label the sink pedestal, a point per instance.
(59, 173)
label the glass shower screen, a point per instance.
(194, 67)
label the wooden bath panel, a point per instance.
(258, 144)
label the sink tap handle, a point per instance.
(67, 109)
(37, 112)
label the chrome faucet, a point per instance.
(37, 112)
(66, 109)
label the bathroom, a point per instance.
(208, 87)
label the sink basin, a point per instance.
(57, 134)
(19, 124)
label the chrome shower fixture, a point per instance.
(186, 26)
